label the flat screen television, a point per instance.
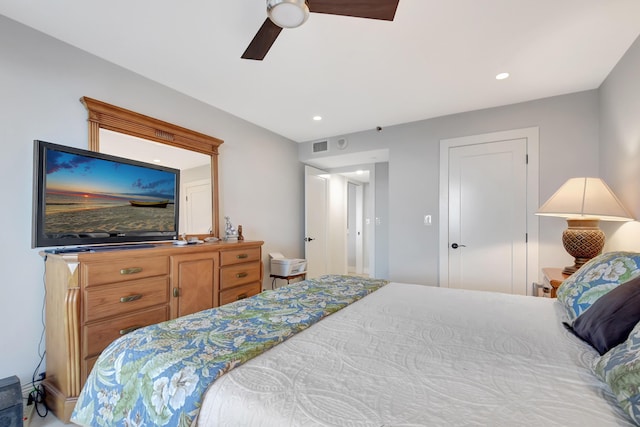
(84, 197)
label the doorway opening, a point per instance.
(349, 240)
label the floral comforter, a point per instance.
(156, 375)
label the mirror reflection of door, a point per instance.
(196, 209)
(195, 218)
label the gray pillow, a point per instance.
(609, 321)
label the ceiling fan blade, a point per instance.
(262, 42)
(372, 9)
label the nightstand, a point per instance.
(553, 278)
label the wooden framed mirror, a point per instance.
(105, 118)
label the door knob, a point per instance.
(456, 246)
(308, 239)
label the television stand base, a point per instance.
(99, 248)
(66, 250)
(120, 247)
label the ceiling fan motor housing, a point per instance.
(288, 13)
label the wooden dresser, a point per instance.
(92, 298)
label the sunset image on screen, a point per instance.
(97, 195)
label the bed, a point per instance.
(360, 352)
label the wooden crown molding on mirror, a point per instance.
(110, 117)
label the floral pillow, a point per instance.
(620, 369)
(596, 278)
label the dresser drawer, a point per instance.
(87, 366)
(98, 273)
(97, 336)
(239, 255)
(240, 292)
(125, 297)
(239, 274)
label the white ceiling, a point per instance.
(437, 57)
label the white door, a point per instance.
(198, 207)
(316, 220)
(359, 229)
(487, 216)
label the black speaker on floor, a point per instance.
(10, 402)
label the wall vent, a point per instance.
(319, 147)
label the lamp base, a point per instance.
(583, 240)
(578, 262)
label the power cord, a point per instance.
(36, 395)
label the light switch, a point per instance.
(427, 220)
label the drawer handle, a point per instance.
(242, 296)
(132, 270)
(242, 256)
(130, 298)
(176, 292)
(241, 275)
(129, 329)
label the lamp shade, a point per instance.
(585, 198)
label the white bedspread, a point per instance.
(411, 355)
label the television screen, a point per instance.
(84, 197)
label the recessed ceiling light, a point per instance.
(317, 118)
(502, 76)
(157, 161)
(359, 172)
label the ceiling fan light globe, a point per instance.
(288, 13)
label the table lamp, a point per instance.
(584, 202)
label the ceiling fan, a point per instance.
(293, 13)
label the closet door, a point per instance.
(488, 199)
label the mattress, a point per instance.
(412, 355)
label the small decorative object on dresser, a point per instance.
(230, 232)
(240, 236)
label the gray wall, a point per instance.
(381, 220)
(620, 145)
(41, 82)
(568, 128)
